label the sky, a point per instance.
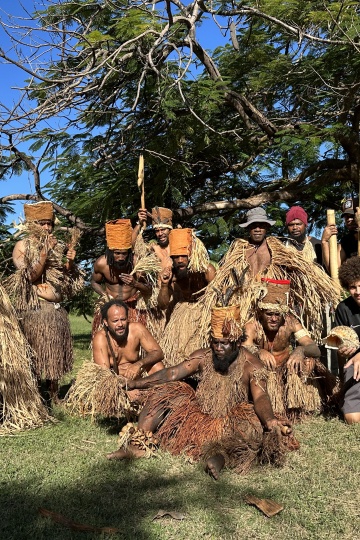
(12, 77)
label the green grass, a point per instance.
(62, 468)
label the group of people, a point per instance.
(214, 362)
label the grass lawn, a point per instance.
(62, 468)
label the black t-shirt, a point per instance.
(348, 314)
(350, 245)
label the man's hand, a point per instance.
(128, 280)
(294, 362)
(71, 254)
(267, 359)
(165, 276)
(132, 371)
(50, 242)
(346, 350)
(281, 426)
(142, 216)
(329, 231)
(355, 361)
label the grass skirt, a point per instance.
(298, 395)
(238, 436)
(98, 392)
(48, 332)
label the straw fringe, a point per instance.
(199, 258)
(21, 406)
(98, 392)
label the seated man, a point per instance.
(348, 314)
(228, 420)
(116, 353)
(112, 274)
(298, 381)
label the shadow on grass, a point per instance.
(120, 495)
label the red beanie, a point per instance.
(296, 212)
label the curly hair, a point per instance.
(113, 302)
(349, 272)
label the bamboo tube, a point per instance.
(333, 248)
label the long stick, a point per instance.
(333, 248)
(141, 181)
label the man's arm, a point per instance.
(142, 220)
(307, 346)
(329, 231)
(266, 357)
(38, 269)
(166, 289)
(175, 373)
(148, 344)
(97, 278)
(210, 273)
(100, 350)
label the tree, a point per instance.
(270, 116)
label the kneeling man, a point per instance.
(228, 420)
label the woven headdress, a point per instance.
(276, 297)
(39, 211)
(161, 218)
(118, 234)
(185, 242)
(225, 323)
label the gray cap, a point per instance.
(256, 215)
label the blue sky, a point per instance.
(12, 77)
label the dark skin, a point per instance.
(116, 282)
(297, 230)
(274, 340)
(181, 286)
(258, 254)
(195, 364)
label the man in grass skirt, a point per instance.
(227, 421)
(45, 276)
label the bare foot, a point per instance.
(214, 465)
(130, 453)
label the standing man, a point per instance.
(112, 276)
(162, 225)
(257, 253)
(38, 287)
(191, 271)
(296, 223)
(348, 246)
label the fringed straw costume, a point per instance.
(180, 337)
(217, 419)
(291, 393)
(44, 323)
(98, 392)
(21, 406)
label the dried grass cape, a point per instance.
(98, 392)
(21, 406)
(45, 324)
(217, 418)
(310, 290)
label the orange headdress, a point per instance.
(118, 234)
(180, 241)
(225, 322)
(39, 211)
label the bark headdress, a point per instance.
(118, 234)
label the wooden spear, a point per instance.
(333, 248)
(141, 182)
